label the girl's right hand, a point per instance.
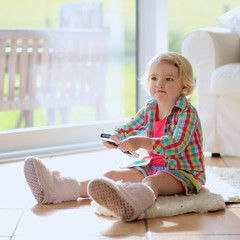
(109, 145)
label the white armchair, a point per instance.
(215, 54)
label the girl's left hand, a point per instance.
(132, 144)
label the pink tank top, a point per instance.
(156, 159)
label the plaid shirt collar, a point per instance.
(181, 103)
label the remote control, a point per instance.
(111, 139)
(115, 141)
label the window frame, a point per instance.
(150, 40)
(48, 141)
(16, 144)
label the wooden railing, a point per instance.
(43, 68)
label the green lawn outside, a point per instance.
(185, 16)
(8, 119)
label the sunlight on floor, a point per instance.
(21, 218)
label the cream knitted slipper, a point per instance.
(126, 201)
(49, 187)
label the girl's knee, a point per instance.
(146, 179)
(164, 184)
(110, 174)
(155, 177)
(114, 175)
(125, 175)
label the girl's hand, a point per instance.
(109, 145)
(132, 144)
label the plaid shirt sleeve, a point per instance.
(178, 133)
(135, 126)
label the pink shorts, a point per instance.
(180, 175)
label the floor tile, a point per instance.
(214, 162)
(220, 222)
(8, 221)
(88, 165)
(89, 237)
(232, 161)
(80, 203)
(13, 185)
(197, 237)
(73, 223)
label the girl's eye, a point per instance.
(169, 79)
(153, 78)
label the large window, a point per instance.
(55, 79)
(104, 35)
(185, 16)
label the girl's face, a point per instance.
(164, 85)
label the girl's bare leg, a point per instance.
(83, 185)
(163, 184)
(125, 175)
(128, 202)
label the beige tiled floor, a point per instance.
(21, 218)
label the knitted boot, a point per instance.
(126, 201)
(49, 187)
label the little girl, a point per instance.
(173, 139)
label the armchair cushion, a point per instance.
(225, 81)
(231, 20)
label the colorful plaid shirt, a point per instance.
(181, 143)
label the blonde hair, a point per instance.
(185, 73)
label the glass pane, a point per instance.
(66, 62)
(185, 16)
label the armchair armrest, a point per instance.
(214, 46)
(208, 49)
